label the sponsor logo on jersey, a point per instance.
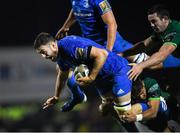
(82, 14)
(73, 3)
(105, 6)
(153, 88)
(86, 3)
(169, 37)
(120, 91)
(81, 53)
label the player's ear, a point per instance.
(53, 46)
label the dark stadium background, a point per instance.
(26, 80)
(22, 20)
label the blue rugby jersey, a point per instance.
(88, 14)
(75, 50)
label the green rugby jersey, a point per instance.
(170, 36)
(153, 90)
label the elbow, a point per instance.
(112, 25)
(115, 25)
(104, 53)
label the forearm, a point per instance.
(137, 48)
(155, 59)
(99, 61)
(70, 20)
(149, 114)
(60, 82)
(111, 36)
(58, 87)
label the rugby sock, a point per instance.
(75, 89)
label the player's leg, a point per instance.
(122, 99)
(107, 109)
(155, 124)
(78, 96)
(122, 104)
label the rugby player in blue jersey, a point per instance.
(97, 22)
(107, 70)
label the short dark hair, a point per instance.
(42, 39)
(160, 9)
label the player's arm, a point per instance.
(155, 59)
(136, 115)
(109, 19)
(60, 82)
(138, 47)
(99, 57)
(159, 56)
(152, 111)
(70, 20)
(65, 28)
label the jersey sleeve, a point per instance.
(82, 53)
(152, 88)
(172, 39)
(102, 6)
(77, 49)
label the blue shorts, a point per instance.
(171, 61)
(119, 85)
(120, 45)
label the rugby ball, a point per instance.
(81, 71)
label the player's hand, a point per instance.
(50, 101)
(62, 33)
(84, 81)
(135, 71)
(129, 118)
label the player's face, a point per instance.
(49, 51)
(142, 94)
(158, 24)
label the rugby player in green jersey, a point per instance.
(149, 105)
(164, 43)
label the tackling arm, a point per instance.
(155, 59)
(152, 111)
(159, 56)
(137, 48)
(135, 113)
